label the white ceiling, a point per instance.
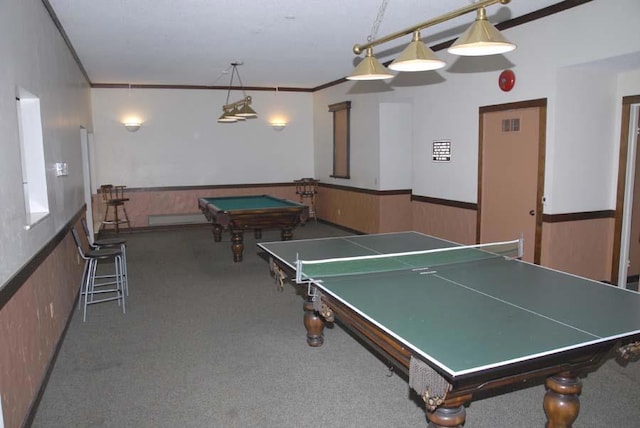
(287, 43)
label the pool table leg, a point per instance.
(313, 323)
(217, 233)
(237, 245)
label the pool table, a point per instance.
(257, 212)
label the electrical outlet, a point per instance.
(51, 309)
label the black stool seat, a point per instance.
(102, 254)
(108, 242)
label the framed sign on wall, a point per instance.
(442, 151)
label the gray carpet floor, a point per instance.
(207, 342)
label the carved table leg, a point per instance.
(313, 323)
(217, 233)
(561, 402)
(287, 234)
(237, 245)
(451, 415)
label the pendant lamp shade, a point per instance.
(226, 117)
(481, 38)
(417, 57)
(246, 110)
(370, 69)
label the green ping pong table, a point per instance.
(462, 320)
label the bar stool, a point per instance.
(113, 197)
(307, 188)
(97, 244)
(88, 287)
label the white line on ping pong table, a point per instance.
(517, 306)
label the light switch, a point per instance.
(61, 169)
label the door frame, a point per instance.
(86, 177)
(541, 104)
(622, 222)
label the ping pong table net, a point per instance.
(423, 260)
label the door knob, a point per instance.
(532, 212)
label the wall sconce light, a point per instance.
(132, 125)
(278, 126)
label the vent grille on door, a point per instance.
(511, 125)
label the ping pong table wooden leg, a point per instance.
(313, 323)
(561, 402)
(450, 415)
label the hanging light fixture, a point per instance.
(481, 38)
(239, 110)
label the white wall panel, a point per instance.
(396, 138)
(180, 142)
(36, 58)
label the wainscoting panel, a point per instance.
(582, 247)
(448, 221)
(395, 213)
(32, 322)
(367, 211)
(350, 209)
(176, 201)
